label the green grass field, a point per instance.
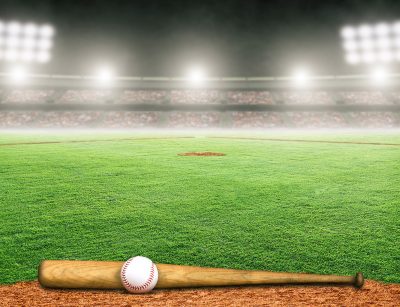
(267, 205)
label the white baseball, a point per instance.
(139, 275)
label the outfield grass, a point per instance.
(280, 206)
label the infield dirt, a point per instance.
(372, 294)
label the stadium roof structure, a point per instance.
(345, 82)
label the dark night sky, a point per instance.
(229, 38)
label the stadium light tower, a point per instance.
(25, 43)
(371, 43)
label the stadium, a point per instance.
(237, 167)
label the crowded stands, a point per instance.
(66, 118)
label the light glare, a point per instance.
(348, 32)
(18, 75)
(196, 75)
(301, 77)
(105, 75)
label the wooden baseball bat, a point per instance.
(106, 275)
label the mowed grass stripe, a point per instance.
(302, 207)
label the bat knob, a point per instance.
(359, 280)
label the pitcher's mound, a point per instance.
(202, 154)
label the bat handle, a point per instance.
(359, 280)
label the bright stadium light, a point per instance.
(301, 77)
(11, 55)
(28, 56)
(14, 28)
(348, 32)
(350, 45)
(382, 29)
(376, 43)
(365, 31)
(25, 42)
(367, 44)
(43, 56)
(379, 76)
(196, 76)
(46, 31)
(396, 28)
(353, 58)
(18, 75)
(105, 75)
(30, 30)
(368, 57)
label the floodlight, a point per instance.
(301, 77)
(368, 57)
(44, 44)
(11, 55)
(396, 28)
(383, 43)
(18, 75)
(12, 42)
(14, 28)
(196, 75)
(350, 45)
(26, 42)
(367, 44)
(365, 31)
(385, 56)
(397, 42)
(46, 31)
(379, 76)
(348, 32)
(382, 39)
(105, 75)
(353, 58)
(382, 29)
(30, 30)
(28, 56)
(43, 57)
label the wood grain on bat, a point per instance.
(106, 275)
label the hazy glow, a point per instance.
(365, 31)
(368, 57)
(11, 55)
(385, 56)
(196, 75)
(380, 76)
(30, 29)
(350, 45)
(301, 77)
(44, 44)
(27, 56)
(348, 32)
(382, 29)
(46, 31)
(105, 75)
(25, 42)
(14, 28)
(367, 44)
(18, 75)
(43, 57)
(353, 58)
(378, 43)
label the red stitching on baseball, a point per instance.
(133, 287)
